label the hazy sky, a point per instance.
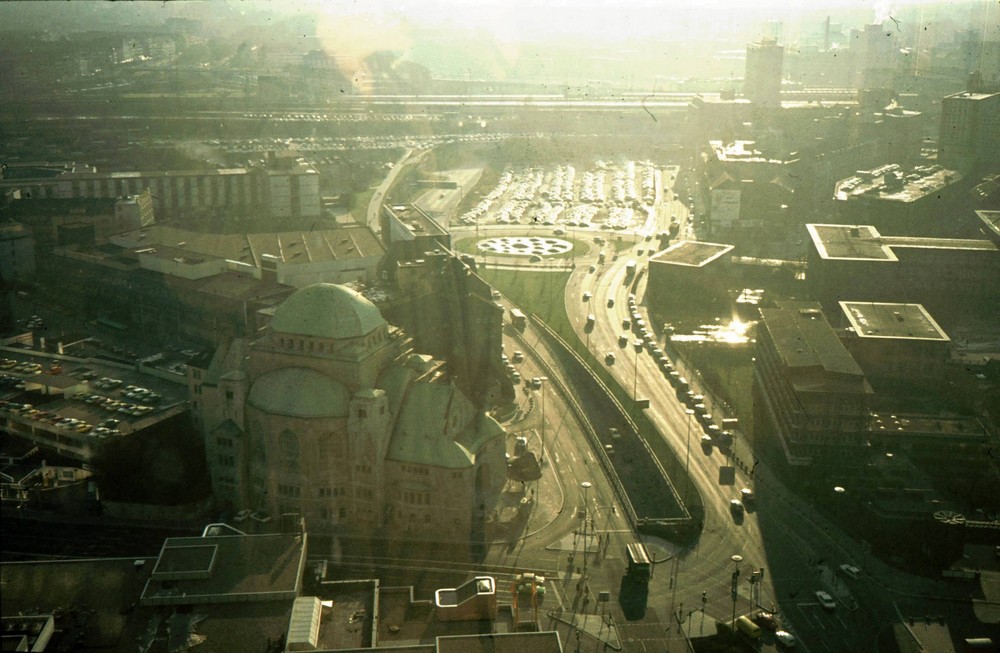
(599, 19)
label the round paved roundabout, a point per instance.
(524, 246)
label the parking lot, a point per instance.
(606, 195)
(68, 398)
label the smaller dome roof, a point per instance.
(299, 392)
(326, 310)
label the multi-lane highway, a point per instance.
(780, 533)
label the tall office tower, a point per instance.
(762, 83)
(970, 130)
(876, 56)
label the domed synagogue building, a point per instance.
(330, 414)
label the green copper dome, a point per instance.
(299, 392)
(326, 310)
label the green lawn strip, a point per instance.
(542, 293)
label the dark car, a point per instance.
(766, 620)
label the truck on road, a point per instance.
(517, 318)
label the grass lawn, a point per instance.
(534, 292)
(360, 210)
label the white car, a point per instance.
(850, 570)
(825, 600)
(242, 515)
(785, 638)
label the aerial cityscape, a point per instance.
(492, 326)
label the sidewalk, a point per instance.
(525, 508)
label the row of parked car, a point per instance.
(105, 428)
(11, 365)
(113, 405)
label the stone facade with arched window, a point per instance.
(344, 424)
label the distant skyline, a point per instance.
(633, 42)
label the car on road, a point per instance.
(851, 571)
(609, 358)
(785, 638)
(536, 383)
(623, 340)
(736, 508)
(825, 600)
(627, 324)
(747, 495)
(611, 302)
(587, 295)
(766, 620)
(242, 515)
(518, 357)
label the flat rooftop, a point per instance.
(805, 341)
(226, 568)
(891, 320)
(971, 96)
(740, 151)
(347, 615)
(289, 247)
(927, 426)
(692, 253)
(865, 243)
(891, 183)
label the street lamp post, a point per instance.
(737, 559)
(586, 485)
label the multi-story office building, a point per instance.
(921, 200)
(898, 345)
(809, 393)
(970, 130)
(949, 276)
(762, 83)
(690, 272)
